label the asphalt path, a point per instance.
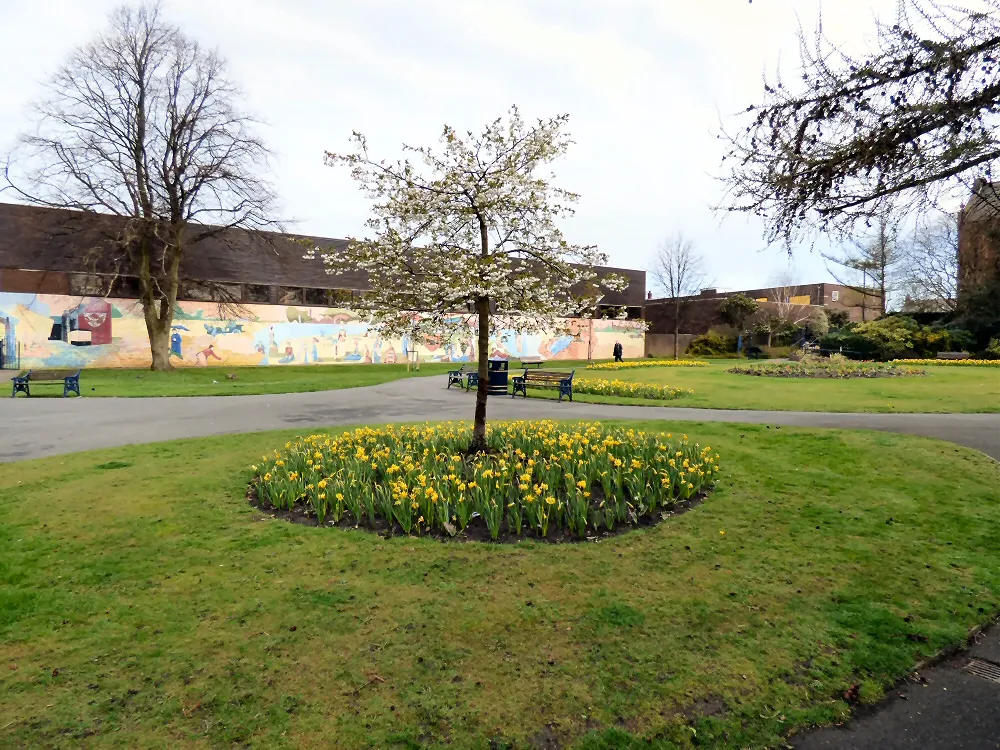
(32, 428)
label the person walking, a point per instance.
(618, 350)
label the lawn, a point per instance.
(943, 389)
(143, 603)
(212, 381)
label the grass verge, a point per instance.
(143, 603)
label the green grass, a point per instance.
(143, 603)
(212, 381)
(943, 389)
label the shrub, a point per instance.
(826, 369)
(712, 343)
(993, 350)
(630, 390)
(647, 363)
(895, 337)
(538, 477)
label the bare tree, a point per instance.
(851, 137)
(679, 271)
(931, 262)
(869, 266)
(142, 124)
(783, 288)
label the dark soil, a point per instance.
(476, 531)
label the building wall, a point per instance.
(701, 315)
(112, 333)
(978, 253)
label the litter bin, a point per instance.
(498, 377)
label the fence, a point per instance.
(10, 360)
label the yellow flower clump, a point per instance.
(647, 363)
(631, 390)
(536, 476)
(950, 362)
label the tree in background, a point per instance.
(788, 315)
(870, 266)
(930, 272)
(679, 271)
(736, 309)
(895, 130)
(143, 124)
(472, 227)
(818, 322)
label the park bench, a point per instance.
(754, 352)
(952, 355)
(69, 378)
(544, 379)
(455, 376)
(536, 361)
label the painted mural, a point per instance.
(59, 331)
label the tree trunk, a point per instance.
(479, 428)
(677, 325)
(159, 345)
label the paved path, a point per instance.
(944, 708)
(45, 427)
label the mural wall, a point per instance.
(59, 331)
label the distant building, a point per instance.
(979, 237)
(700, 313)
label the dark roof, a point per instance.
(47, 239)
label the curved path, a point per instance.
(32, 428)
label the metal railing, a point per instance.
(10, 360)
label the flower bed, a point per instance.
(841, 370)
(647, 363)
(630, 390)
(950, 362)
(539, 479)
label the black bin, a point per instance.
(498, 377)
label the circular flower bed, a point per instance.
(647, 363)
(832, 370)
(539, 479)
(630, 390)
(951, 362)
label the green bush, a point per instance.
(896, 337)
(711, 343)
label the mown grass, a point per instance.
(944, 389)
(143, 603)
(212, 381)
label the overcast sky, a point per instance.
(645, 83)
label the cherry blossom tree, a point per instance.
(466, 234)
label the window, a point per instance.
(315, 296)
(289, 295)
(835, 295)
(126, 286)
(86, 285)
(257, 293)
(339, 298)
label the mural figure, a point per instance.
(205, 354)
(266, 337)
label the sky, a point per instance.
(647, 85)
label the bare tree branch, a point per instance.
(142, 123)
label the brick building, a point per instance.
(979, 238)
